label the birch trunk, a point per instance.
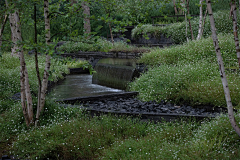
(235, 33)
(204, 20)
(2, 29)
(47, 63)
(36, 66)
(175, 7)
(86, 13)
(200, 20)
(189, 20)
(24, 80)
(27, 86)
(186, 26)
(222, 71)
(13, 34)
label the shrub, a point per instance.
(100, 46)
(177, 31)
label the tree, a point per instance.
(19, 44)
(189, 20)
(233, 13)
(47, 63)
(222, 71)
(5, 17)
(200, 20)
(175, 7)
(15, 24)
(86, 14)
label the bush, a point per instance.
(100, 46)
(177, 31)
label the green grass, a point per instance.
(10, 76)
(69, 133)
(82, 138)
(177, 31)
(181, 74)
(188, 74)
(182, 140)
(108, 137)
(100, 46)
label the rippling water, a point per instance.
(79, 85)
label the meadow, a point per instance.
(181, 74)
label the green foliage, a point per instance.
(71, 47)
(189, 74)
(78, 138)
(177, 31)
(181, 140)
(80, 64)
(9, 80)
(194, 51)
(100, 46)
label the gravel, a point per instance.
(135, 106)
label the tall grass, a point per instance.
(188, 73)
(193, 52)
(67, 132)
(183, 140)
(81, 138)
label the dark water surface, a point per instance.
(79, 85)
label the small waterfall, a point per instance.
(115, 73)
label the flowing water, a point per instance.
(115, 73)
(79, 85)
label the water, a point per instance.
(113, 72)
(79, 85)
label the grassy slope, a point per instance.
(189, 74)
(68, 133)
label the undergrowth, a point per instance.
(100, 46)
(188, 74)
(177, 31)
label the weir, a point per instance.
(115, 73)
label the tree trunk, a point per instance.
(24, 80)
(13, 34)
(186, 26)
(2, 29)
(111, 33)
(189, 20)
(239, 5)
(86, 14)
(222, 71)
(47, 63)
(235, 33)
(36, 66)
(27, 86)
(204, 19)
(200, 21)
(175, 7)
